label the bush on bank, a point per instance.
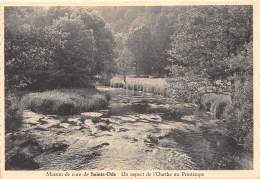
(65, 101)
(240, 119)
(13, 112)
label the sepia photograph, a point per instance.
(128, 87)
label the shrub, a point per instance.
(186, 89)
(13, 112)
(240, 119)
(65, 101)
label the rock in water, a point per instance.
(31, 117)
(104, 127)
(92, 114)
(75, 121)
(65, 125)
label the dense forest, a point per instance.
(179, 39)
(52, 54)
(207, 41)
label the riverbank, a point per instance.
(57, 102)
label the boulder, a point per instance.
(217, 104)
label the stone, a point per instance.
(105, 120)
(50, 123)
(75, 121)
(92, 114)
(104, 127)
(152, 139)
(96, 120)
(89, 125)
(151, 117)
(129, 118)
(65, 125)
(31, 117)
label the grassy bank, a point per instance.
(64, 101)
(152, 85)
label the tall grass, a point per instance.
(65, 101)
(153, 85)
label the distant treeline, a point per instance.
(197, 40)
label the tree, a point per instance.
(161, 32)
(205, 36)
(27, 49)
(125, 62)
(139, 43)
(74, 58)
(56, 47)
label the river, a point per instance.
(137, 131)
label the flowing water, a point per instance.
(137, 131)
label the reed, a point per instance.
(150, 85)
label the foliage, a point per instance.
(64, 101)
(186, 89)
(215, 43)
(152, 26)
(240, 119)
(125, 62)
(56, 47)
(205, 37)
(139, 43)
